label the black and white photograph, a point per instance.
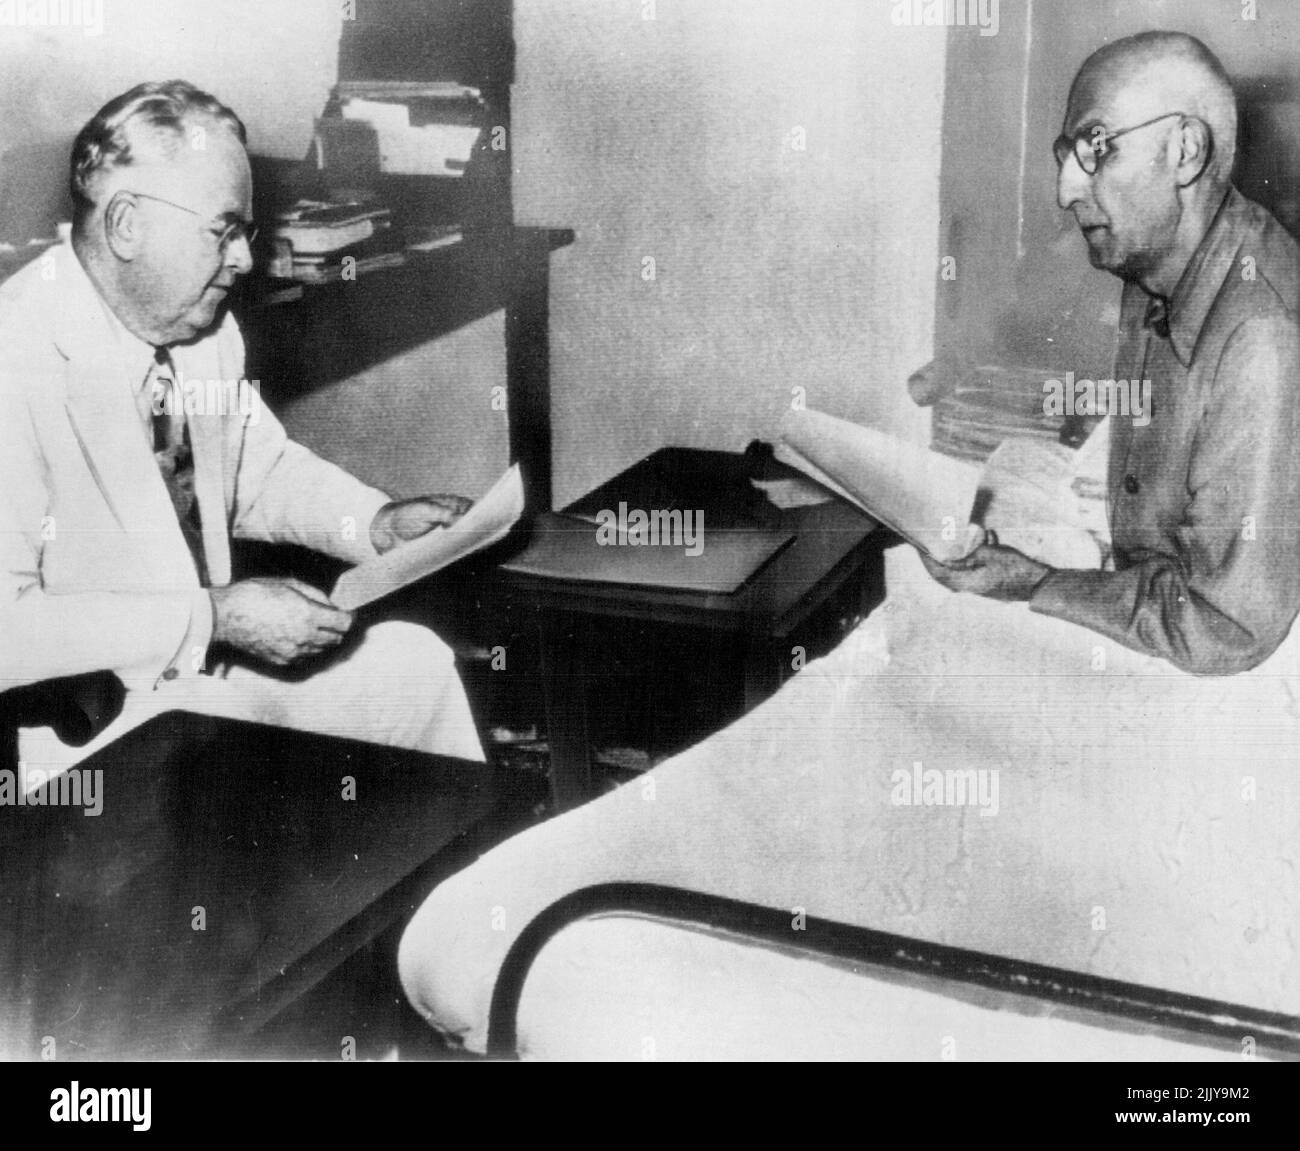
(650, 531)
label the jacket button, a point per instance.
(170, 673)
(1131, 484)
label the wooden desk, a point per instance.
(835, 545)
(241, 828)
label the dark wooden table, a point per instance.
(226, 875)
(834, 545)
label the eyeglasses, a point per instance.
(1091, 144)
(225, 236)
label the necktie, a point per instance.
(1157, 317)
(171, 448)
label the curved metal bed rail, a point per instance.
(1221, 1024)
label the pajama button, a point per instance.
(170, 673)
(1131, 484)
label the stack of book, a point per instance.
(316, 242)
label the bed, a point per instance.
(1125, 866)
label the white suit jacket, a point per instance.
(94, 571)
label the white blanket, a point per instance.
(1146, 824)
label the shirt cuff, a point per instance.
(370, 506)
(192, 655)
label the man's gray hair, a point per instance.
(154, 118)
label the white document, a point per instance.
(429, 150)
(486, 523)
(1025, 492)
(925, 497)
(793, 492)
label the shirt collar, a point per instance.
(1183, 315)
(136, 353)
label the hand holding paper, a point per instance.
(1024, 492)
(404, 520)
(990, 570)
(487, 522)
(923, 496)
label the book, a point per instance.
(1026, 492)
(432, 236)
(313, 228)
(325, 271)
(383, 249)
(489, 521)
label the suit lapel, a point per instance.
(103, 416)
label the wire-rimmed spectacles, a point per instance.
(1091, 143)
(225, 235)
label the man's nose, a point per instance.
(239, 255)
(1072, 183)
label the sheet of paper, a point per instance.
(486, 523)
(924, 496)
(793, 492)
(1026, 497)
(427, 150)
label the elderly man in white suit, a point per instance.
(114, 545)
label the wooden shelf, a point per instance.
(389, 310)
(337, 330)
(304, 337)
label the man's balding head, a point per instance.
(1169, 69)
(1146, 154)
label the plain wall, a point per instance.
(273, 63)
(674, 138)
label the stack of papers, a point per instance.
(423, 129)
(992, 404)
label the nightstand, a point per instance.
(832, 562)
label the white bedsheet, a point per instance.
(1146, 830)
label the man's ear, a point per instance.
(122, 225)
(1196, 149)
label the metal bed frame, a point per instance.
(1065, 993)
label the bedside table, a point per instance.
(834, 554)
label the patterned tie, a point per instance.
(171, 448)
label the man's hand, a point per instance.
(990, 570)
(281, 621)
(409, 519)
